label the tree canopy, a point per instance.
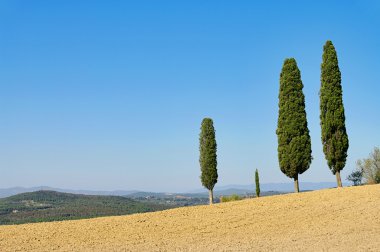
(294, 144)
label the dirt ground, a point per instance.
(345, 219)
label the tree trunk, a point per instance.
(211, 196)
(338, 179)
(296, 186)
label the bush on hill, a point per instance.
(232, 197)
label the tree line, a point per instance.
(294, 143)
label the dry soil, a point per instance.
(344, 219)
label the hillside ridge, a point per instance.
(331, 219)
(45, 205)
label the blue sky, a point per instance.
(110, 94)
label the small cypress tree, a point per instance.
(257, 182)
(294, 144)
(207, 159)
(333, 128)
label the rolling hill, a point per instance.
(343, 219)
(52, 206)
(218, 190)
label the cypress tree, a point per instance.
(257, 182)
(333, 128)
(294, 144)
(207, 159)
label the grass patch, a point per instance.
(233, 197)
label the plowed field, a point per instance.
(345, 219)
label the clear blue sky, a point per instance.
(110, 94)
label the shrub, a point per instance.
(232, 197)
(356, 177)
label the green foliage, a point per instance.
(371, 167)
(356, 177)
(207, 159)
(232, 197)
(257, 182)
(44, 206)
(334, 135)
(294, 144)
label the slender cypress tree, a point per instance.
(207, 159)
(294, 144)
(333, 128)
(257, 182)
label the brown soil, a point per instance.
(345, 219)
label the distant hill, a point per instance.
(201, 192)
(192, 199)
(6, 192)
(274, 187)
(52, 206)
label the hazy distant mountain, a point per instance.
(199, 195)
(16, 190)
(219, 190)
(279, 187)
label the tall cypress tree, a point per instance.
(257, 182)
(334, 135)
(207, 159)
(294, 144)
